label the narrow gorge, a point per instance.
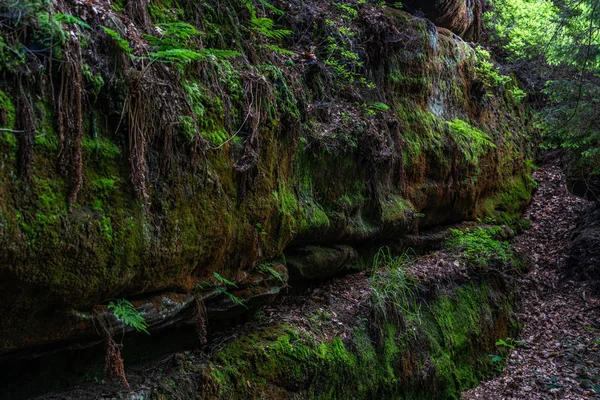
(238, 199)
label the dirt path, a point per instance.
(559, 358)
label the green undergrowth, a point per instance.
(444, 346)
(485, 247)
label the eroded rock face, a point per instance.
(462, 17)
(223, 165)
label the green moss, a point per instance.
(507, 204)
(94, 80)
(299, 216)
(187, 130)
(394, 208)
(104, 186)
(8, 117)
(101, 148)
(448, 348)
(472, 142)
(485, 247)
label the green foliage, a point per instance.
(556, 43)
(234, 299)
(486, 71)
(484, 247)
(379, 106)
(187, 56)
(104, 186)
(95, 80)
(392, 289)
(266, 26)
(511, 343)
(128, 315)
(472, 142)
(70, 19)
(342, 57)
(524, 27)
(119, 41)
(224, 281)
(268, 268)
(221, 287)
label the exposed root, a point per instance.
(201, 321)
(26, 124)
(137, 121)
(113, 363)
(114, 368)
(69, 112)
(258, 96)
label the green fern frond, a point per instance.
(271, 7)
(71, 19)
(186, 56)
(128, 315)
(266, 268)
(219, 278)
(232, 297)
(279, 50)
(121, 43)
(265, 26)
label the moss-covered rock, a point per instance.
(215, 143)
(441, 348)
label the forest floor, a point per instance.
(557, 355)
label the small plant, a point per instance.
(485, 70)
(234, 299)
(498, 362)
(511, 343)
(393, 290)
(128, 315)
(222, 290)
(224, 281)
(119, 41)
(267, 268)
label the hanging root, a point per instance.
(26, 124)
(201, 321)
(70, 117)
(258, 97)
(113, 363)
(137, 144)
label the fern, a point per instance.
(174, 35)
(120, 42)
(271, 7)
(219, 278)
(266, 268)
(279, 50)
(128, 315)
(186, 56)
(71, 19)
(265, 26)
(232, 297)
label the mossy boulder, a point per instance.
(247, 146)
